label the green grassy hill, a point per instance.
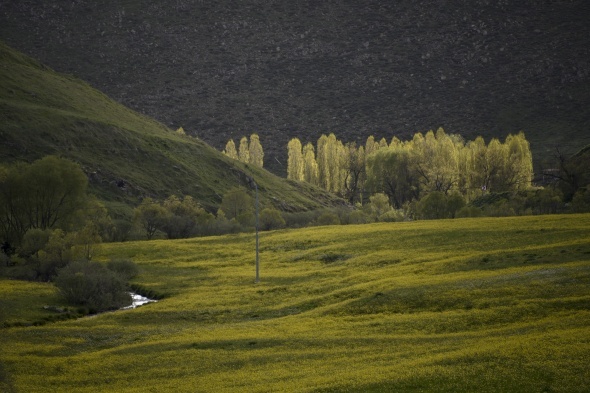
(290, 69)
(125, 155)
(471, 305)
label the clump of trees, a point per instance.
(571, 177)
(407, 171)
(49, 230)
(248, 152)
(182, 218)
(177, 218)
(47, 218)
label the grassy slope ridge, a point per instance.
(285, 69)
(126, 155)
(469, 305)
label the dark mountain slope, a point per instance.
(301, 68)
(126, 155)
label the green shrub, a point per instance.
(358, 217)
(581, 201)
(300, 219)
(125, 268)
(271, 219)
(469, 211)
(392, 216)
(328, 218)
(92, 285)
(433, 206)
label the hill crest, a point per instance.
(127, 156)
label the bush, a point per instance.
(271, 219)
(300, 219)
(392, 216)
(581, 201)
(124, 268)
(433, 206)
(358, 217)
(92, 285)
(328, 218)
(469, 211)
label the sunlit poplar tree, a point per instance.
(295, 165)
(256, 154)
(324, 176)
(230, 149)
(310, 166)
(244, 150)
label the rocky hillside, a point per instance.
(301, 68)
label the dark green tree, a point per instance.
(235, 203)
(45, 195)
(150, 216)
(271, 219)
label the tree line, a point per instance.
(407, 171)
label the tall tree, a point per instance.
(45, 194)
(494, 166)
(477, 167)
(235, 203)
(324, 175)
(371, 146)
(244, 150)
(230, 149)
(354, 172)
(310, 166)
(517, 173)
(256, 154)
(295, 166)
(437, 161)
(335, 157)
(150, 216)
(389, 171)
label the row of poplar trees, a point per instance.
(249, 152)
(408, 170)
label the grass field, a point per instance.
(472, 305)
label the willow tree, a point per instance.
(255, 152)
(295, 166)
(230, 149)
(477, 167)
(437, 161)
(390, 171)
(445, 169)
(371, 146)
(517, 172)
(494, 165)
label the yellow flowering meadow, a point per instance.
(470, 305)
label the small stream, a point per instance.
(138, 300)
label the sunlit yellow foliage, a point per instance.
(474, 305)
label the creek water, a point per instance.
(138, 300)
